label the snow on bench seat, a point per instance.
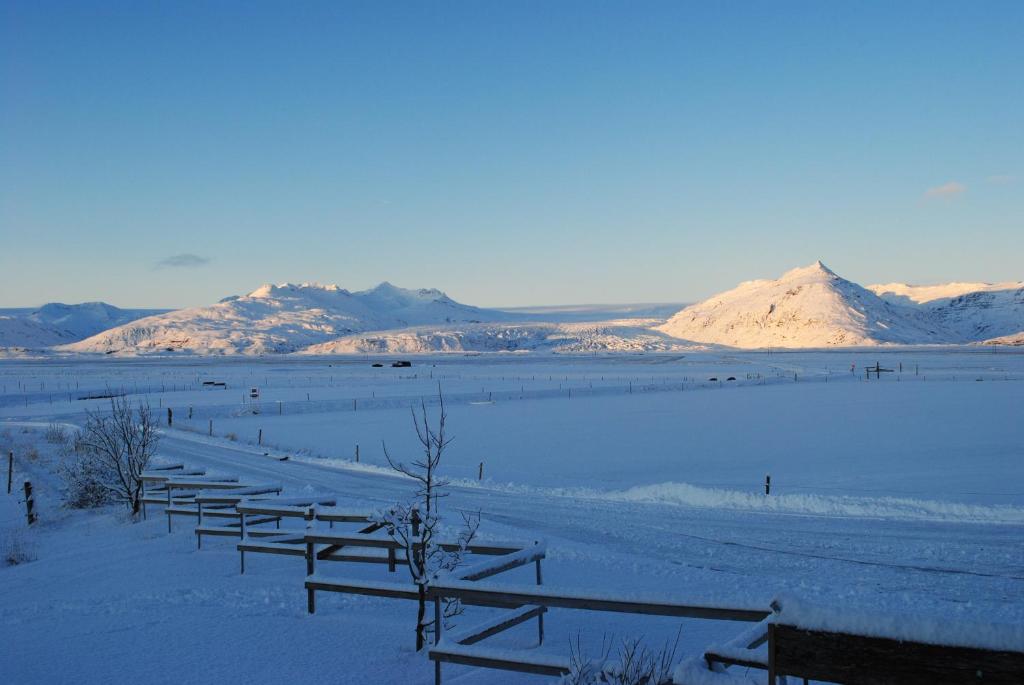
(501, 659)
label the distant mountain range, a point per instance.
(57, 323)
(808, 307)
(283, 318)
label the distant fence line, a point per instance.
(573, 387)
(356, 404)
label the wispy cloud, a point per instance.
(185, 260)
(1002, 179)
(946, 190)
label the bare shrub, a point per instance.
(635, 665)
(16, 547)
(233, 437)
(85, 482)
(114, 450)
(56, 434)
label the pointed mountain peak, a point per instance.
(815, 271)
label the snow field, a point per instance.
(918, 514)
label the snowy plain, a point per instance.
(903, 493)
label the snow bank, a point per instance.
(695, 672)
(683, 494)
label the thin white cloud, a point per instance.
(186, 260)
(1001, 179)
(946, 190)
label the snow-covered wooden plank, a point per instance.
(486, 594)
(500, 659)
(502, 563)
(497, 624)
(354, 586)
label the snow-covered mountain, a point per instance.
(972, 311)
(805, 307)
(284, 318)
(57, 323)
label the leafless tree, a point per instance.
(116, 448)
(416, 524)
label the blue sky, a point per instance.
(172, 153)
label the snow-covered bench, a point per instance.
(858, 648)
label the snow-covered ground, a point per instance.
(644, 475)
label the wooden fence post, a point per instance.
(357, 452)
(438, 625)
(211, 428)
(540, 616)
(30, 504)
(170, 417)
(10, 470)
(310, 559)
(259, 440)
(767, 485)
(480, 474)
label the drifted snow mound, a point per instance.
(611, 336)
(283, 318)
(806, 307)
(57, 323)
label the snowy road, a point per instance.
(745, 555)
